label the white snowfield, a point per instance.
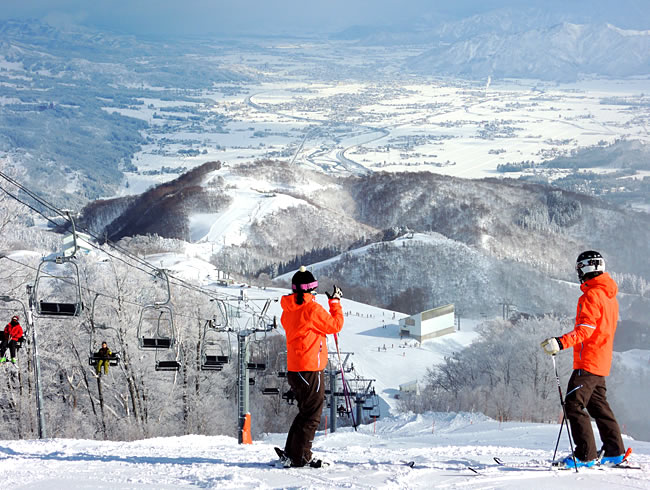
(442, 445)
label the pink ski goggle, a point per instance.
(305, 287)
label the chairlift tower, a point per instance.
(333, 371)
(260, 324)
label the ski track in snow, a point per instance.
(373, 457)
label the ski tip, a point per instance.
(410, 464)
(473, 470)
(498, 461)
(627, 453)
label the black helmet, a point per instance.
(303, 280)
(589, 265)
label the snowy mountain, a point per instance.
(563, 52)
(469, 232)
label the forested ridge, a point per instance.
(489, 238)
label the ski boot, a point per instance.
(14, 361)
(612, 460)
(4, 359)
(617, 460)
(568, 462)
(285, 461)
(317, 463)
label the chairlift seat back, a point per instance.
(271, 391)
(210, 360)
(59, 309)
(256, 366)
(168, 365)
(211, 367)
(156, 342)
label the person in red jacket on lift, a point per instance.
(306, 324)
(592, 340)
(13, 334)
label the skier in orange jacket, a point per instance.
(306, 323)
(592, 340)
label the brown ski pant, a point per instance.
(587, 397)
(309, 389)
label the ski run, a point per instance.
(442, 446)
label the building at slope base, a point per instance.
(428, 324)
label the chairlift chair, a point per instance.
(289, 396)
(259, 354)
(215, 350)
(168, 365)
(169, 362)
(93, 359)
(63, 296)
(156, 327)
(156, 324)
(220, 319)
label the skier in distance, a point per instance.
(306, 324)
(592, 340)
(12, 337)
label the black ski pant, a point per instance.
(309, 389)
(587, 397)
(11, 344)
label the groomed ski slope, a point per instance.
(442, 445)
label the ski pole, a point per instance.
(346, 393)
(564, 417)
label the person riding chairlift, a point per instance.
(104, 354)
(12, 338)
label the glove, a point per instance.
(552, 346)
(335, 294)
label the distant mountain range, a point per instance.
(517, 43)
(563, 52)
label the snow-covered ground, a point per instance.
(444, 126)
(442, 446)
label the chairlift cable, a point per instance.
(108, 296)
(173, 279)
(178, 281)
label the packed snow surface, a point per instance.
(442, 445)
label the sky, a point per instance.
(201, 17)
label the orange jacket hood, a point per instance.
(306, 326)
(592, 338)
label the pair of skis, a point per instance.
(535, 465)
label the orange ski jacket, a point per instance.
(592, 338)
(305, 326)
